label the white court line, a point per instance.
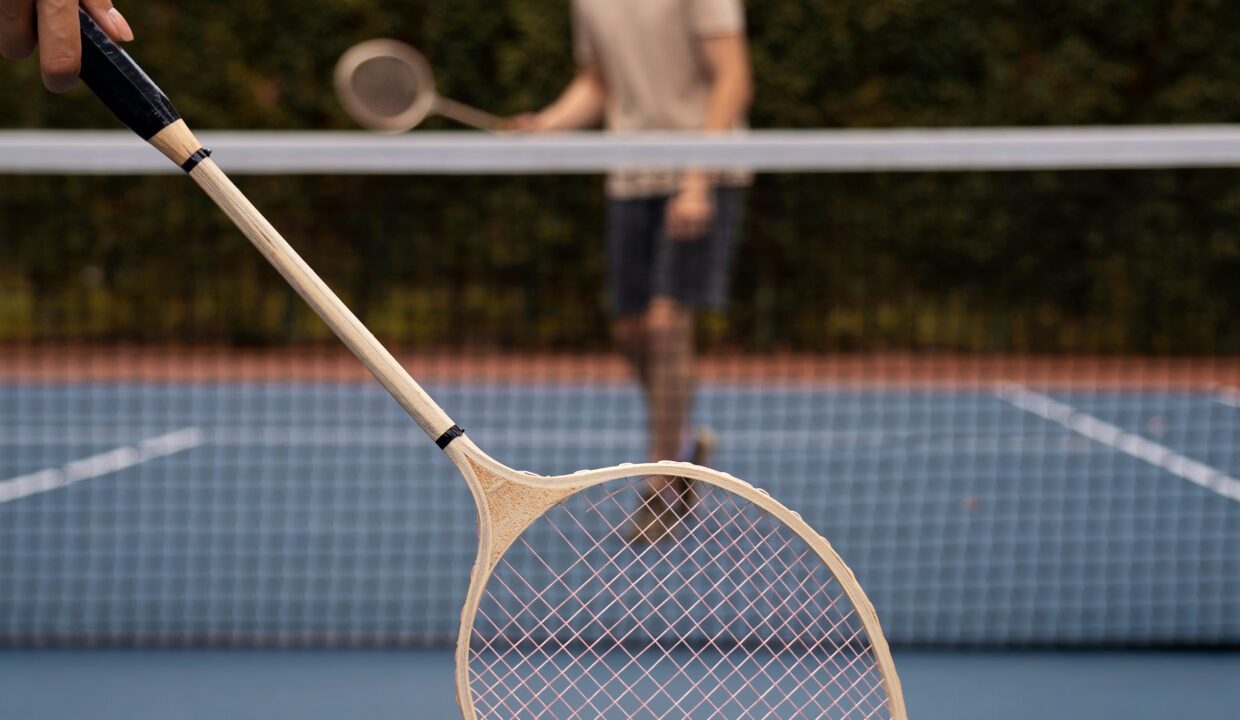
(1228, 396)
(277, 436)
(1126, 442)
(102, 464)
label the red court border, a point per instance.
(87, 363)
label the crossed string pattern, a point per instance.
(731, 616)
(385, 85)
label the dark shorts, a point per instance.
(644, 262)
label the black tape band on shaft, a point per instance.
(199, 155)
(448, 436)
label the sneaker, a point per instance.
(704, 443)
(662, 513)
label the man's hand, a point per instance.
(523, 123)
(691, 212)
(53, 26)
(579, 106)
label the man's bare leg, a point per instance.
(669, 386)
(659, 345)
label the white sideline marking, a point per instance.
(632, 441)
(275, 436)
(1128, 443)
(1228, 396)
(101, 464)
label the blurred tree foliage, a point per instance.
(1060, 262)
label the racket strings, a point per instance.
(386, 86)
(730, 615)
(713, 674)
(757, 631)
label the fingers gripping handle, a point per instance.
(140, 104)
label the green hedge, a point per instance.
(1092, 261)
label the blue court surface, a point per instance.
(212, 515)
(323, 685)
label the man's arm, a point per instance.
(57, 34)
(690, 213)
(579, 106)
(727, 56)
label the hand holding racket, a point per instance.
(388, 86)
(742, 611)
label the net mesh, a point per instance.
(728, 614)
(1007, 399)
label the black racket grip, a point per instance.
(118, 81)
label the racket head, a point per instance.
(385, 85)
(742, 610)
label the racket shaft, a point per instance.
(467, 115)
(135, 99)
(433, 420)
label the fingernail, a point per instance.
(119, 23)
(59, 83)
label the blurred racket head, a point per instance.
(740, 610)
(385, 85)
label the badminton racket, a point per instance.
(388, 86)
(741, 610)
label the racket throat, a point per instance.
(507, 506)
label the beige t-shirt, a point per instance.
(649, 54)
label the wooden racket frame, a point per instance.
(426, 100)
(508, 500)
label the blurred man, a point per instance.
(56, 33)
(662, 65)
